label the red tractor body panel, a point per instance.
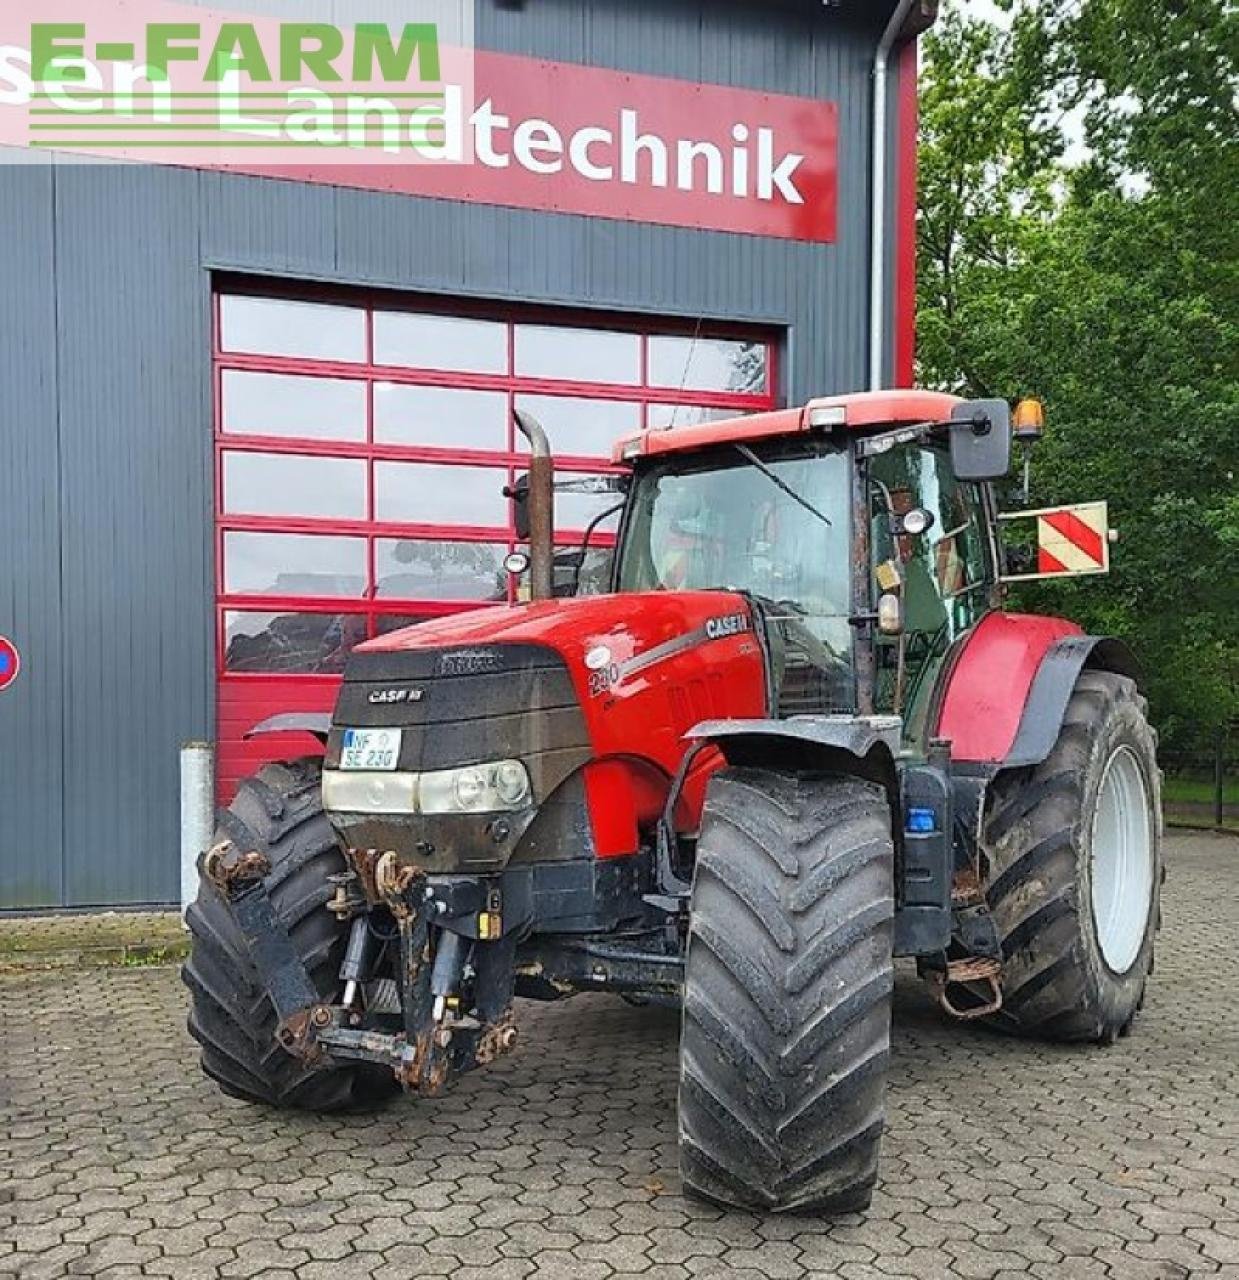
(989, 683)
(646, 667)
(859, 411)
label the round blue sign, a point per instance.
(10, 662)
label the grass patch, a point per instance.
(1198, 791)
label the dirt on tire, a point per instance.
(787, 993)
(278, 813)
(1037, 841)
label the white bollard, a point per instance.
(197, 813)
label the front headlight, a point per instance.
(512, 783)
(475, 788)
(356, 791)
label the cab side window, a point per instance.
(941, 575)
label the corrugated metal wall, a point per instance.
(105, 487)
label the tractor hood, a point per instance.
(620, 636)
(593, 695)
(646, 666)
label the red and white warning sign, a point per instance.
(1070, 540)
(1073, 539)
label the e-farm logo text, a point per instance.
(217, 83)
(266, 93)
(409, 108)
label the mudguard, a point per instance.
(1051, 690)
(870, 743)
(1007, 688)
(857, 735)
(316, 722)
(866, 747)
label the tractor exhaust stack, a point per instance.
(541, 505)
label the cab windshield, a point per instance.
(721, 522)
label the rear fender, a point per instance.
(986, 681)
(1051, 689)
(1006, 689)
(1038, 680)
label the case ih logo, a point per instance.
(730, 624)
(385, 697)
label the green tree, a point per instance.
(1106, 288)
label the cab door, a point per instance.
(944, 575)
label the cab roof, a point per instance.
(859, 411)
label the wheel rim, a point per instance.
(1122, 860)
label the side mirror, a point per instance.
(519, 493)
(567, 572)
(981, 440)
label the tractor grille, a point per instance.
(460, 706)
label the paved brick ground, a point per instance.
(1002, 1159)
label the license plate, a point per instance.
(370, 749)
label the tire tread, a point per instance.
(276, 812)
(1034, 840)
(788, 983)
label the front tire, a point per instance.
(787, 993)
(278, 812)
(1075, 870)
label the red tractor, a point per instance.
(798, 737)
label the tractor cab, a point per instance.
(861, 529)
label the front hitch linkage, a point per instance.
(422, 1054)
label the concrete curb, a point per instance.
(96, 940)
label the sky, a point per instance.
(985, 9)
(1073, 123)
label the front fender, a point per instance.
(862, 745)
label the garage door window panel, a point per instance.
(708, 364)
(293, 406)
(440, 417)
(290, 643)
(660, 416)
(281, 484)
(452, 343)
(580, 427)
(577, 355)
(293, 564)
(440, 569)
(426, 493)
(300, 330)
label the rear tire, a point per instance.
(787, 993)
(1075, 870)
(277, 812)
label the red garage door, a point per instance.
(361, 451)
